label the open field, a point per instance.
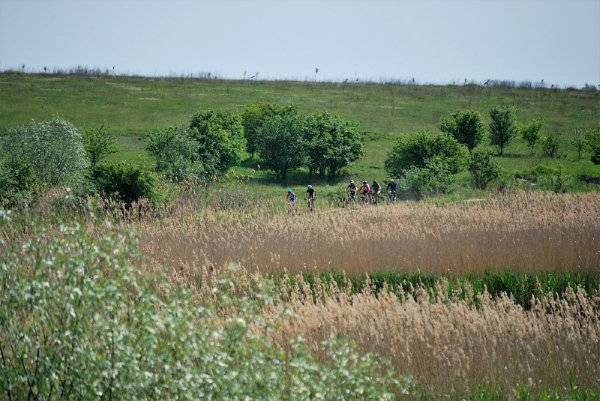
(131, 107)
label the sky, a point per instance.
(431, 41)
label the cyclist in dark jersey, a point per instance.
(351, 190)
(392, 188)
(291, 201)
(375, 192)
(311, 196)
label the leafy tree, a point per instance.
(417, 150)
(550, 145)
(254, 116)
(332, 144)
(282, 146)
(98, 144)
(579, 143)
(176, 153)
(53, 149)
(434, 177)
(466, 127)
(502, 127)
(18, 182)
(220, 140)
(483, 168)
(531, 133)
(124, 182)
(592, 139)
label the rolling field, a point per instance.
(129, 108)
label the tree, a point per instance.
(531, 133)
(579, 143)
(592, 139)
(254, 116)
(18, 182)
(483, 168)
(176, 153)
(220, 140)
(53, 149)
(466, 127)
(550, 146)
(332, 144)
(97, 144)
(502, 127)
(124, 182)
(417, 150)
(434, 177)
(282, 146)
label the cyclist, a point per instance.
(351, 191)
(392, 188)
(311, 196)
(365, 190)
(292, 199)
(375, 192)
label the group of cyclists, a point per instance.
(369, 194)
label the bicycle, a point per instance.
(311, 204)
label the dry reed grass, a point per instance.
(450, 344)
(526, 231)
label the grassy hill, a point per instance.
(131, 107)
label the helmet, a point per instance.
(309, 187)
(351, 181)
(290, 190)
(364, 182)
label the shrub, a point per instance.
(332, 144)
(282, 146)
(124, 182)
(254, 116)
(592, 139)
(97, 144)
(18, 182)
(483, 169)
(579, 143)
(502, 127)
(466, 127)
(434, 178)
(417, 150)
(531, 133)
(53, 150)
(220, 140)
(176, 153)
(550, 146)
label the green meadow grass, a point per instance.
(131, 107)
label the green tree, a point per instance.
(418, 149)
(98, 144)
(433, 178)
(176, 153)
(18, 182)
(254, 116)
(332, 143)
(465, 126)
(53, 149)
(124, 182)
(282, 146)
(531, 133)
(220, 140)
(502, 127)
(592, 139)
(579, 143)
(550, 145)
(483, 168)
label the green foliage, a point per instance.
(254, 116)
(124, 182)
(98, 144)
(53, 149)
(579, 143)
(483, 168)
(592, 139)
(19, 182)
(220, 139)
(465, 126)
(416, 151)
(282, 146)
(433, 179)
(550, 146)
(332, 144)
(531, 133)
(176, 153)
(79, 322)
(502, 127)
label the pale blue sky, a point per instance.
(433, 41)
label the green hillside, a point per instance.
(131, 107)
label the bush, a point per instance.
(416, 151)
(124, 182)
(18, 183)
(579, 143)
(220, 140)
(483, 169)
(176, 153)
(502, 127)
(592, 139)
(550, 146)
(531, 133)
(432, 179)
(282, 146)
(52, 149)
(254, 116)
(466, 127)
(79, 322)
(332, 144)
(97, 144)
